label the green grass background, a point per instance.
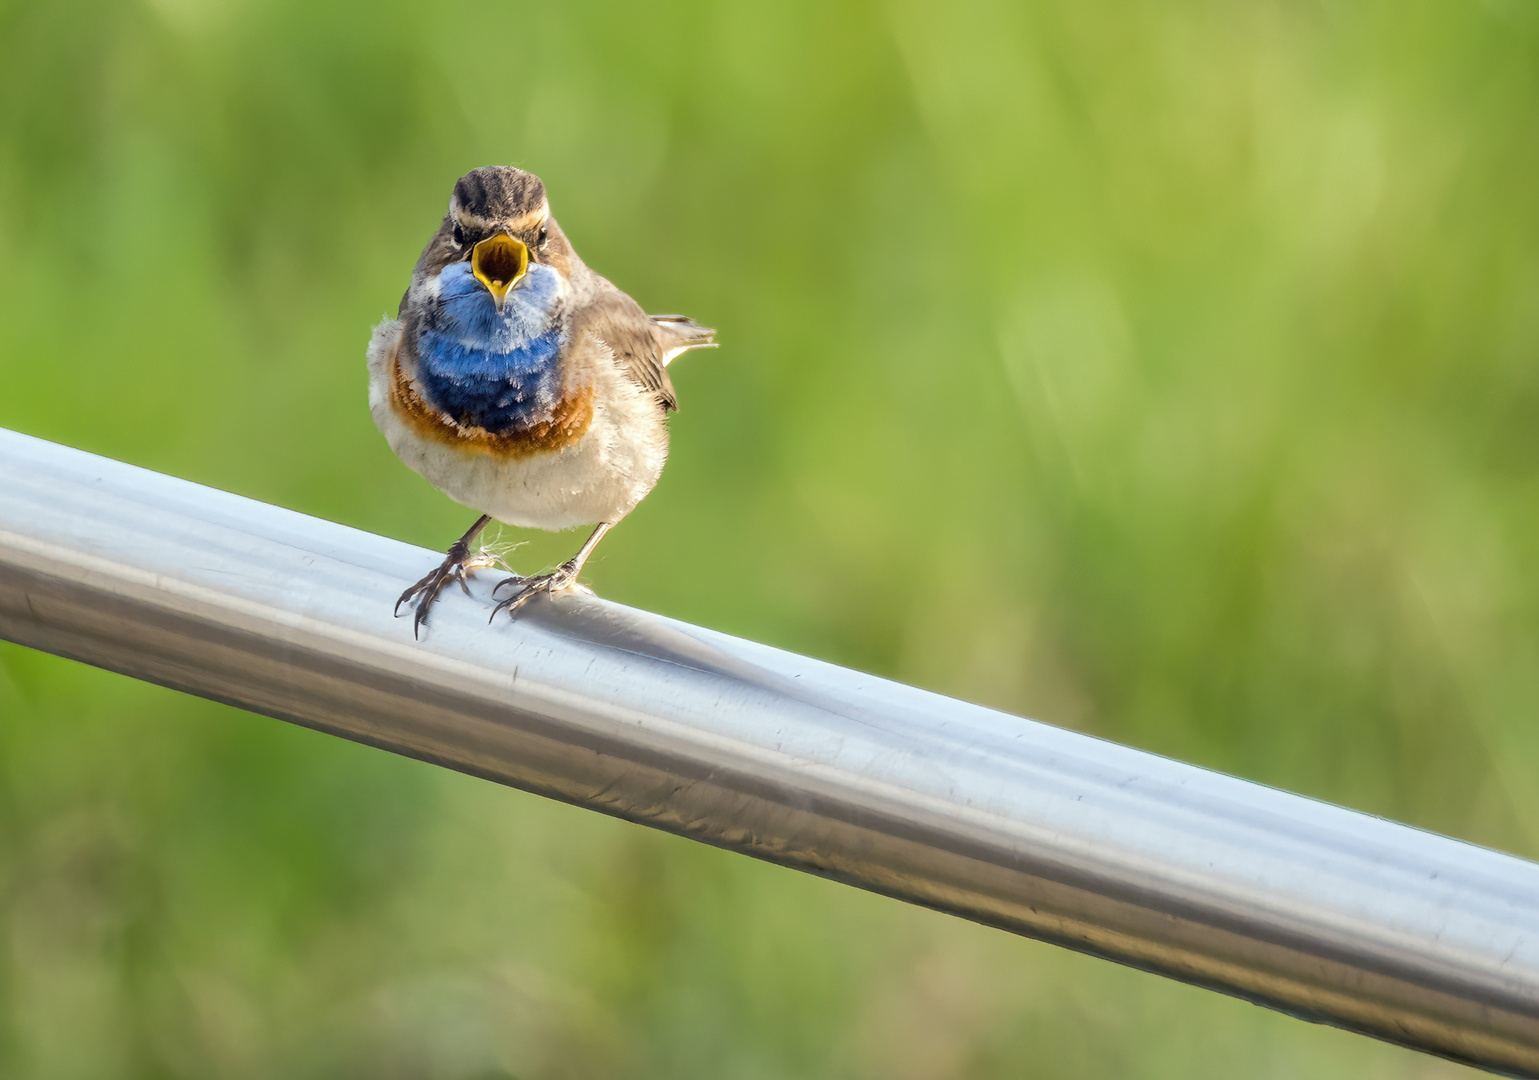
(1161, 370)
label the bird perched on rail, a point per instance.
(521, 383)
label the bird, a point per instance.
(522, 384)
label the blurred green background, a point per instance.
(1161, 370)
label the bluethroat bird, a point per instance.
(520, 383)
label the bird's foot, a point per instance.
(454, 568)
(560, 579)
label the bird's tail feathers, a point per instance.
(680, 333)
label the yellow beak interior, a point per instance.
(499, 262)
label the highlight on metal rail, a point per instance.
(1322, 912)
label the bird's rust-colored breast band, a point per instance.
(568, 424)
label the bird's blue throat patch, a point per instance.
(498, 372)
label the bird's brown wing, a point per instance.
(618, 321)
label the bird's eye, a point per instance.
(459, 236)
(544, 238)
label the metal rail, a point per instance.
(1322, 912)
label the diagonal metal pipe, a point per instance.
(1325, 913)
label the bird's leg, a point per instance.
(562, 577)
(456, 562)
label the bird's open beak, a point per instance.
(499, 262)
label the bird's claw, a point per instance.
(454, 568)
(560, 579)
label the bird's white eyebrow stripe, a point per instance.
(468, 220)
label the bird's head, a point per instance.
(499, 222)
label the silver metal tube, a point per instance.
(1326, 913)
